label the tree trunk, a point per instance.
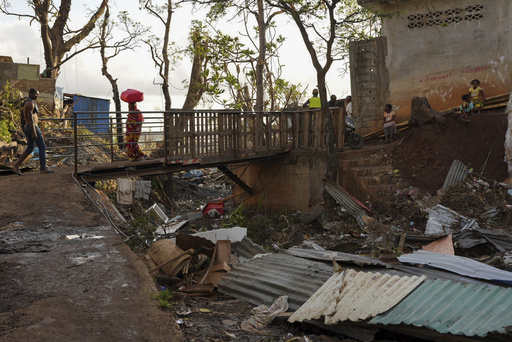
(196, 88)
(113, 82)
(165, 55)
(261, 57)
(332, 157)
(55, 48)
(421, 111)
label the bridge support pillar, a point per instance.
(293, 180)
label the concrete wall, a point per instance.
(26, 76)
(369, 81)
(436, 47)
(294, 181)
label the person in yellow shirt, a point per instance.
(477, 95)
(313, 102)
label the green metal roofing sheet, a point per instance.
(454, 308)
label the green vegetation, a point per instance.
(10, 99)
(164, 298)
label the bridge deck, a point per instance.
(126, 168)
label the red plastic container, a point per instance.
(219, 206)
(132, 95)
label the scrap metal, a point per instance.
(441, 219)
(457, 264)
(327, 255)
(457, 173)
(344, 199)
(263, 279)
(355, 296)
(454, 308)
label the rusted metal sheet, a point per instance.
(457, 264)
(344, 199)
(355, 296)
(457, 173)
(454, 308)
(359, 260)
(264, 279)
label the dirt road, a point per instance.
(91, 288)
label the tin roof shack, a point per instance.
(26, 76)
(431, 49)
(92, 113)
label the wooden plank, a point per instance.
(224, 251)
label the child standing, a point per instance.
(389, 123)
(477, 95)
(467, 106)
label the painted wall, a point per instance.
(26, 76)
(436, 47)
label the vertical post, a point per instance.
(111, 140)
(307, 124)
(268, 131)
(166, 137)
(237, 131)
(75, 142)
(255, 131)
(296, 129)
(193, 136)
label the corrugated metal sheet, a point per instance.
(359, 260)
(96, 118)
(264, 279)
(441, 219)
(246, 249)
(473, 237)
(457, 173)
(348, 202)
(457, 264)
(355, 296)
(454, 308)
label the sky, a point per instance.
(135, 69)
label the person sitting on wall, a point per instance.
(313, 102)
(467, 107)
(477, 95)
(348, 106)
(389, 123)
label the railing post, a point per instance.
(269, 131)
(111, 140)
(166, 137)
(75, 143)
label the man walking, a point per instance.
(32, 132)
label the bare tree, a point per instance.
(129, 37)
(57, 36)
(319, 19)
(159, 48)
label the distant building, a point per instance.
(433, 49)
(25, 76)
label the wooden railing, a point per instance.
(234, 134)
(213, 136)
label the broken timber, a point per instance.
(235, 179)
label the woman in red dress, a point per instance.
(133, 131)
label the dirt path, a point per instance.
(52, 289)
